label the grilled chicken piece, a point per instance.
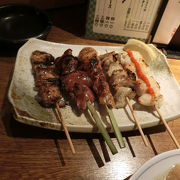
(141, 88)
(39, 57)
(121, 82)
(46, 79)
(122, 79)
(121, 94)
(49, 94)
(67, 63)
(36, 67)
(90, 63)
(45, 73)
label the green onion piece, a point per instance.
(115, 127)
(101, 128)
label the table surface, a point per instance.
(28, 152)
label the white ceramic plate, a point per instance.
(158, 167)
(27, 110)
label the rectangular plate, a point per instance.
(26, 109)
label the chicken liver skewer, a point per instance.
(78, 84)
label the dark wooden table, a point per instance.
(28, 152)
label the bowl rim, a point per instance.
(41, 35)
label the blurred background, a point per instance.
(70, 15)
(89, 18)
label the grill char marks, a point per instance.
(67, 63)
(46, 79)
(121, 82)
(90, 63)
(76, 82)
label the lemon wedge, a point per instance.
(146, 52)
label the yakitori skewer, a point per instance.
(147, 88)
(121, 84)
(91, 64)
(78, 85)
(47, 85)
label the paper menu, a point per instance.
(125, 18)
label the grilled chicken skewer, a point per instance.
(47, 84)
(46, 79)
(91, 64)
(122, 84)
(78, 85)
(146, 87)
(148, 90)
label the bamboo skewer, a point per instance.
(137, 123)
(65, 129)
(167, 127)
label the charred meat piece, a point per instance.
(67, 63)
(49, 94)
(46, 79)
(39, 57)
(76, 82)
(91, 64)
(45, 73)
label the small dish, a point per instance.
(158, 167)
(19, 22)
